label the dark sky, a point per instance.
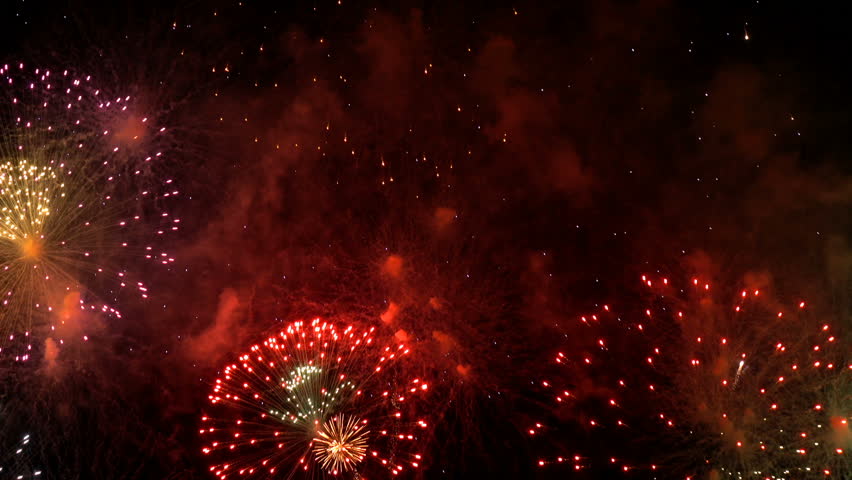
(468, 175)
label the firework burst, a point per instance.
(341, 443)
(319, 400)
(69, 218)
(742, 390)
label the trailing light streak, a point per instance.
(15, 464)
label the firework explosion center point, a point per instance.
(31, 248)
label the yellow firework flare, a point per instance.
(341, 443)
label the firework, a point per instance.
(315, 399)
(742, 390)
(15, 456)
(13, 463)
(68, 219)
(341, 443)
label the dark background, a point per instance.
(543, 155)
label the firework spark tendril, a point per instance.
(315, 399)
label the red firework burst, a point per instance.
(319, 400)
(742, 390)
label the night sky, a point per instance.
(613, 236)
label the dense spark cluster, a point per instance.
(743, 391)
(70, 217)
(341, 443)
(316, 399)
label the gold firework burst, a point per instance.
(341, 443)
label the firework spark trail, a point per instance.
(71, 221)
(318, 399)
(735, 391)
